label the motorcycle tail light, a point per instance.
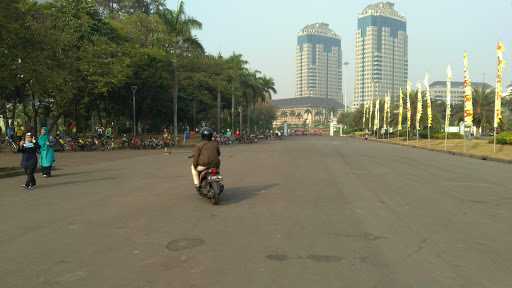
(213, 172)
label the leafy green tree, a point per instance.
(78, 59)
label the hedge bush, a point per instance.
(437, 135)
(504, 138)
(451, 135)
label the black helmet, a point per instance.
(207, 134)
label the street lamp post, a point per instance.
(134, 90)
(345, 64)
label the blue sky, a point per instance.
(439, 31)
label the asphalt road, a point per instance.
(303, 212)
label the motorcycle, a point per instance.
(212, 185)
(13, 146)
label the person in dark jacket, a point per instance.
(206, 155)
(29, 149)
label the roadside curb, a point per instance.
(454, 153)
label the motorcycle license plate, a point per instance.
(217, 178)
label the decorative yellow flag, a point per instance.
(500, 49)
(400, 110)
(419, 110)
(468, 95)
(448, 98)
(409, 88)
(429, 103)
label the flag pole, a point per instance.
(408, 110)
(495, 139)
(389, 113)
(448, 105)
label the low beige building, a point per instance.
(305, 111)
(438, 90)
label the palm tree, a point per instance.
(255, 89)
(181, 42)
(308, 113)
(284, 115)
(250, 92)
(319, 114)
(332, 110)
(268, 87)
(237, 66)
(293, 114)
(299, 116)
(483, 100)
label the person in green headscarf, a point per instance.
(47, 154)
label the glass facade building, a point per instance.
(319, 63)
(381, 53)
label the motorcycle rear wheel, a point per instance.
(214, 193)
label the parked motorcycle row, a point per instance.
(95, 143)
(247, 139)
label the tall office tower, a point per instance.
(381, 53)
(319, 63)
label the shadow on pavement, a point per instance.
(7, 172)
(239, 194)
(58, 175)
(91, 180)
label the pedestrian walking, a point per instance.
(11, 131)
(166, 137)
(237, 135)
(186, 136)
(29, 149)
(47, 152)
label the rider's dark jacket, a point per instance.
(207, 154)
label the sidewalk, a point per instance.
(10, 162)
(479, 149)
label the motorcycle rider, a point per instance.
(206, 155)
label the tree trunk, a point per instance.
(175, 103)
(100, 119)
(241, 118)
(35, 113)
(13, 117)
(232, 108)
(255, 124)
(75, 116)
(54, 123)
(249, 118)
(35, 120)
(194, 114)
(219, 127)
